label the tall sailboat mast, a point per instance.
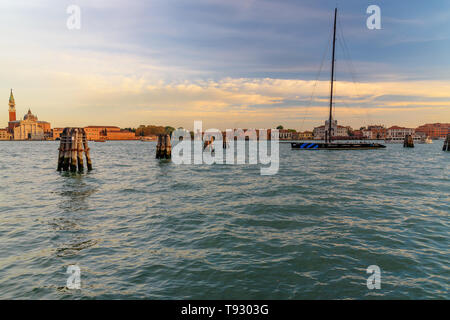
(328, 145)
(332, 78)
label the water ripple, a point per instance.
(140, 228)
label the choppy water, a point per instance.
(140, 228)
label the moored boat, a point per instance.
(329, 144)
(336, 146)
(148, 138)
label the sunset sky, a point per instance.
(230, 63)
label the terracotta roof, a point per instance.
(397, 127)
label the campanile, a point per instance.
(12, 107)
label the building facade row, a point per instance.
(435, 130)
(30, 128)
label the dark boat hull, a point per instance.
(336, 146)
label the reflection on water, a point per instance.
(74, 193)
(75, 246)
(143, 228)
(72, 231)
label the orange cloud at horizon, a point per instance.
(237, 102)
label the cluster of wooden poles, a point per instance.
(73, 144)
(163, 147)
(446, 146)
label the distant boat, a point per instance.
(428, 140)
(148, 138)
(99, 140)
(329, 144)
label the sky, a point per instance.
(229, 63)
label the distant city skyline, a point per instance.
(230, 64)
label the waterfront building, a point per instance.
(30, 128)
(4, 134)
(399, 133)
(284, 134)
(56, 133)
(337, 130)
(435, 130)
(306, 135)
(100, 133)
(375, 132)
(367, 134)
(108, 133)
(358, 134)
(295, 135)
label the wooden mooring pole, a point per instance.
(224, 141)
(73, 150)
(70, 156)
(163, 147)
(446, 146)
(408, 142)
(87, 151)
(168, 145)
(62, 150)
(80, 150)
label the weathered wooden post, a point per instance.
(163, 147)
(80, 150)
(224, 141)
(62, 148)
(158, 147)
(70, 156)
(86, 151)
(446, 146)
(168, 146)
(73, 150)
(68, 146)
(408, 142)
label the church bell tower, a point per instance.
(12, 107)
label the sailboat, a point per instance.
(329, 144)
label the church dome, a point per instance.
(30, 116)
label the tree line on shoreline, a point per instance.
(150, 130)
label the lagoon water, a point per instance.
(140, 228)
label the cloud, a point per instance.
(251, 101)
